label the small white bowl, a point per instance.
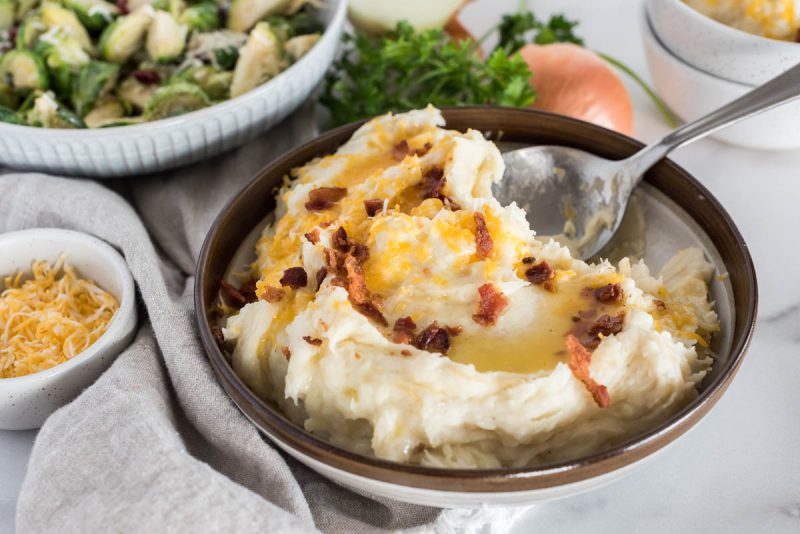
(716, 48)
(692, 93)
(26, 401)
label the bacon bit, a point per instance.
(660, 304)
(360, 253)
(370, 310)
(404, 331)
(424, 150)
(401, 150)
(373, 206)
(405, 352)
(332, 260)
(312, 340)
(321, 274)
(433, 182)
(248, 289)
(540, 273)
(492, 302)
(608, 293)
(294, 277)
(286, 353)
(357, 356)
(312, 236)
(484, 246)
(219, 337)
(451, 204)
(146, 77)
(273, 294)
(339, 282)
(549, 286)
(122, 5)
(434, 339)
(234, 296)
(340, 240)
(528, 260)
(357, 286)
(579, 359)
(322, 198)
(605, 326)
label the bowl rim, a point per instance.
(116, 329)
(197, 116)
(511, 479)
(730, 31)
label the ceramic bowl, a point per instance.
(680, 212)
(169, 143)
(716, 48)
(26, 401)
(692, 93)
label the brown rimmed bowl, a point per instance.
(679, 212)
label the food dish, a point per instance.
(26, 401)
(775, 19)
(399, 310)
(171, 142)
(503, 485)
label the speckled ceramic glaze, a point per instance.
(717, 49)
(692, 93)
(168, 143)
(26, 401)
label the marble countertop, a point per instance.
(736, 470)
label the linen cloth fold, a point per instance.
(155, 444)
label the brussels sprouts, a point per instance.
(202, 17)
(297, 47)
(8, 14)
(30, 30)
(48, 113)
(94, 14)
(8, 97)
(214, 83)
(24, 7)
(260, 59)
(134, 93)
(94, 80)
(106, 109)
(226, 57)
(63, 56)
(166, 39)
(221, 47)
(56, 16)
(243, 14)
(10, 116)
(23, 69)
(280, 27)
(175, 99)
(125, 36)
(305, 22)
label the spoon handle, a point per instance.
(779, 90)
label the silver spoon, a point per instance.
(572, 193)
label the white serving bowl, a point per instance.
(169, 143)
(692, 93)
(26, 401)
(720, 50)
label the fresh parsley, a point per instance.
(519, 29)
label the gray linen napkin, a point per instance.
(155, 444)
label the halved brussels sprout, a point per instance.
(24, 70)
(125, 36)
(24, 7)
(166, 39)
(202, 17)
(175, 99)
(48, 113)
(280, 27)
(94, 80)
(216, 84)
(8, 97)
(30, 30)
(94, 14)
(63, 56)
(8, 14)
(10, 116)
(107, 108)
(244, 14)
(305, 22)
(221, 46)
(297, 47)
(134, 93)
(56, 16)
(260, 59)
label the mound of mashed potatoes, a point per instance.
(400, 311)
(776, 19)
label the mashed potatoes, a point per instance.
(403, 312)
(776, 19)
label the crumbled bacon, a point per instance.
(340, 240)
(273, 294)
(401, 150)
(233, 295)
(609, 293)
(450, 204)
(604, 326)
(433, 182)
(423, 150)
(312, 236)
(404, 331)
(122, 5)
(434, 339)
(286, 353)
(216, 331)
(484, 246)
(373, 206)
(356, 286)
(540, 273)
(528, 260)
(312, 340)
(321, 274)
(405, 352)
(579, 359)
(660, 304)
(492, 302)
(360, 252)
(323, 198)
(294, 277)
(371, 310)
(332, 260)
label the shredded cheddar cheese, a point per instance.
(49, 318)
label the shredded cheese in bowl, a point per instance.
(49, 318)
